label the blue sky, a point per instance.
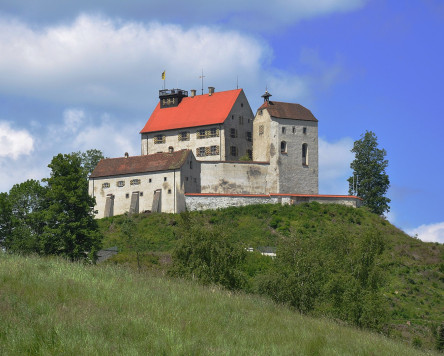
(82, 74)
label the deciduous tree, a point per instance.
(71, 229)
(26, 203)
(89, 159)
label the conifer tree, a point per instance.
(370, 180)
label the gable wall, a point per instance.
(240, 119)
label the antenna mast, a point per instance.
(201, 77)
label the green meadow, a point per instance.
(49, 306)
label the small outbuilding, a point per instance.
(156, 182)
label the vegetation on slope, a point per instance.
(412, 285)
(50, 306)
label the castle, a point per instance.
(208, 151)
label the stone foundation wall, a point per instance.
(214, 201)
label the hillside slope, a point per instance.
(50, 306)
(414, 288)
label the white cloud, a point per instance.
(117, 64)
(100, 61)
(334, 165)
(259, 15)
(79, 130)
(73, 119)
(14, 143)
(429, 233)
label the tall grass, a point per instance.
(50, 306)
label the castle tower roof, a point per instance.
(288, 111)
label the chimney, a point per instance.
(193, 93)
(126, 155)
(210, 91)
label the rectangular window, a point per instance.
(249, 136)
(233, 133)
(169, 191)
(294, 129)
(200, 134)
(159, 139)
(150, 180)
(126, 195)
(121, 183)
(241, 120)
(207, 133)
(304, 130)
(233, 151)
(105, 185)
(250, 154)
(200, 152)
(261, 130)
(164, 179)
(214, 150)
(184, 136)
(284, 130)
(213, 132)
(134, 181)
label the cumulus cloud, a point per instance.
(14, 143)
(258, 14)
(429, 233)
(101, 61)
(334, 165)
(77, 130)
(117, 64)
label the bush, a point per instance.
(336, 275)
(206, 254)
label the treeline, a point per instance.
(334, 273)
(54, 217)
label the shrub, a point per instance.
(206, 254)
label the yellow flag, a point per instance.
(163, 75)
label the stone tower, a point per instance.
(286, 135)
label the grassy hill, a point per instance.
(414, 288)
(50, 306)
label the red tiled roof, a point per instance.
(194, 111)
(288, 111)
(140, 164)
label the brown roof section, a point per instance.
(288, 111)
(140, 164)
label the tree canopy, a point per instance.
(370, 180)
(71, 229)
(89, 159)
(56, 218)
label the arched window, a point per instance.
(304, 154)
(283, 147)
